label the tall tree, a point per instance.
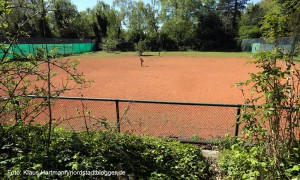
(64, 16)
(179, 20)
(27, 16)
(141, 22)
(114, 24)
(210, 34)
(249, 26)
(274, 24)
(44, 29)
(152, 30)
(106, 22)
(232, 10)
(86, 24)
(292, 9)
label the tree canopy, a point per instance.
(208, 25)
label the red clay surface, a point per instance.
(171, 78)
(168, 78)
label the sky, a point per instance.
(83, 4)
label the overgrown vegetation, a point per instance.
(270, 145)
(270, 148)
(140, 157)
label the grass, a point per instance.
(106, 54)
(176, 53)
(173, 53)
(297, 59)
(209, 54)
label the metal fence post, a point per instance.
(33, 50)
(237, 121)
(118, 125)
(29, 51)
(13, 51)
(17, 111)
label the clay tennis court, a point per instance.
(165, 78)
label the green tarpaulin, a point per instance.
(25, 50)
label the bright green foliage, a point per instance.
(86, 21)
(242, 161)
(179, 19)
(249, 26)
(109, 44)
(274, 23)
(179, 30)
(282, 18)
(140, 47)
(140, 157)
(137, 24)
(249, 32)
(141, 22)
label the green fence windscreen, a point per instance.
(25, 50)
(255, 45)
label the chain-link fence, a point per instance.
(287, 44)
(180, 120)
(246, 44)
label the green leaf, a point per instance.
(296, 167)
(37, 166)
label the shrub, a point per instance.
(139, 156)
(140, 47)
(109, 44)
(270, 130)
(242, 161)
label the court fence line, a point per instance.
(188, 122)
(287, 44)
